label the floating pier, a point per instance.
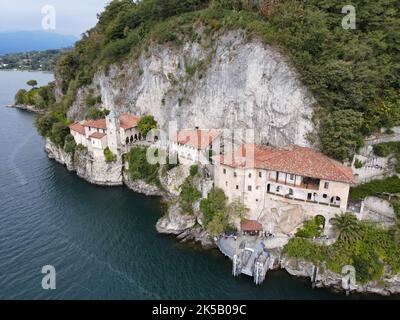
(248, 256)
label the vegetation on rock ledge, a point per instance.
(140, 168)
(365, 246)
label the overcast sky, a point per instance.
(73, 17)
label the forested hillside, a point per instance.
(353, 74)
(33, 60)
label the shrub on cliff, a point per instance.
(188, 196)
(95, 113)
(70, 144)
(376, 188)
(194, 170)
(311, 228)
(368, 252)
(109, 156)
(140, 168)
(215, 202)
(59, 132)
(146, 124)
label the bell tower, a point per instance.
(113, 132)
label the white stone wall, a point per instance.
(79, 139)
(253, 187)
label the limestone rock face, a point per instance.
(231, 83)
(175, 222)
(142, 187)
(94, 171)
(98, 171)
(174, 179)
(58, 154)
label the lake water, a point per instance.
(102, 241)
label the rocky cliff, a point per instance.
(94, 171)
(225, 82)
(325, 278)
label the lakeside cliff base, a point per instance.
(189, 227)
(28, 108)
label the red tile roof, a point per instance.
(98, 124)
(199, 139)
(251, 225)
(294, 160)
(77, 127)
(98, 135)
(129, 121)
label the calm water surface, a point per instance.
(102, 241)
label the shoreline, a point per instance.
(26, 108)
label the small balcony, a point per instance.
(307, 183)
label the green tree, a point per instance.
(215, 202)
(218, 223)
(140, 168)
(340, 134)
(347, 227)
(109, 156)
(146, 124)
(44, 124)
(194, 170)
(21, 97)
(70, 144)
(32, 83)
(189, 195)
(237, 210)
(59, 132)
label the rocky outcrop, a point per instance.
(325, 278)
(185, 227)
(96, 171)
(231, 82)
(140, 186)
(57, 153)
(28, 108)
(173, 179)
(175, 222)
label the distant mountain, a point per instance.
(23, 41)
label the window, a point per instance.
(278, 189)
(326, 185)
(260, 174)
(325, 196)
(249, 175)
(249, 188)
(257, 188)
(237, 187)
(291, 192)
(257, 200)
(235, 174)
(224, 171)
(292, 177)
